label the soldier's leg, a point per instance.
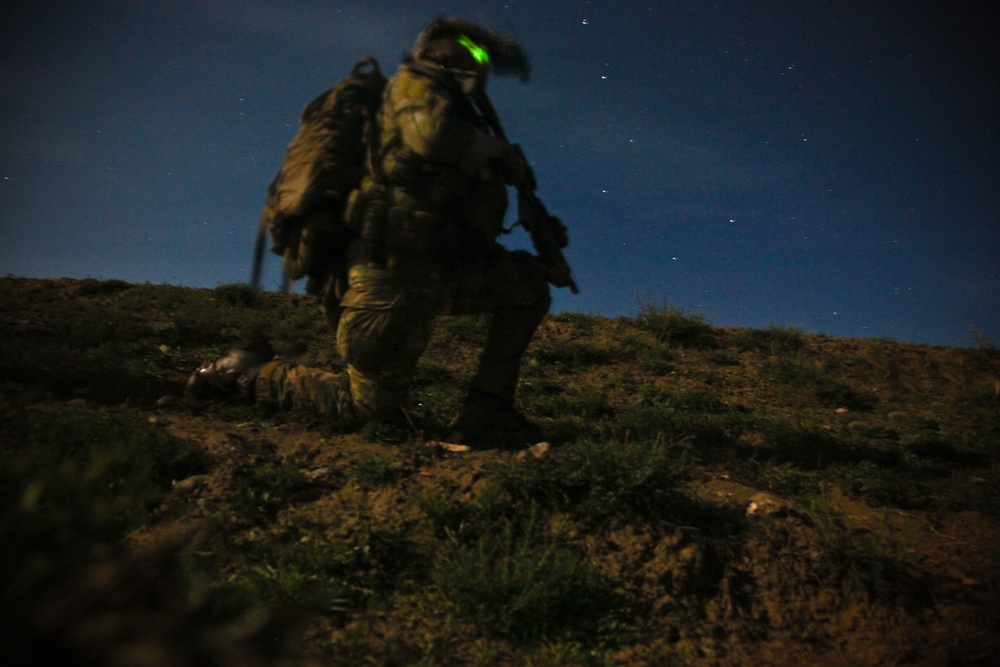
(516, 293)
(286, 385)
(381, 348)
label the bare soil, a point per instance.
(742, 576)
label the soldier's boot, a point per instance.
(235, 372)
(486, 420)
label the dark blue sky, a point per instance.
(830, 165)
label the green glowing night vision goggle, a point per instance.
(481, 55)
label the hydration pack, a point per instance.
(325, 161)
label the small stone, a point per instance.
(192, 484)
(535, 451)
(449, 446)
(317, 474)
(688, 554)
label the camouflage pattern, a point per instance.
(427, 219)
(386, 325)
(436, 158)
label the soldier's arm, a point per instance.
(432, 128)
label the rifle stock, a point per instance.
(258, 253)
(547, 232)
(540, 227)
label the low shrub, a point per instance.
(674, 325)
(771, 340)
(521, 584)
(597, 480)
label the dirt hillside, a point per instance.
(707, 496)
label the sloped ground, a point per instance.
(710, 497)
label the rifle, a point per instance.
(287, 285)
(258, 254)
(548, 234)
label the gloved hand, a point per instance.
(514, 166)
(559, 232)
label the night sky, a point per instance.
(828, 165)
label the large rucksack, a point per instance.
(325, 161)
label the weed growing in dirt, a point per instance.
(562, 401)
(856, 557)
(878, 486)
(93, 287)
(803, 379)
(374, 470)
(583, 342)
(261, 488)
(286, 585)
(801, 444)
(874, 485)
(100, 470)
(984, 352)
(520, 582)
(657, 360)
(674, 325)
(387, 433)
(695, 414)
(789, 480)
(469, 329)
(872, 431)
(435, 394)
(771, 340)
(568, 654)
(73, 483)
(839, 395)
(432, 371)
(597, 480)
(447, 514)
(315, 575)
(238, 294)
(574, 350)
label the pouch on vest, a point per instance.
(410, 230)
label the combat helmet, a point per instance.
(491, 50)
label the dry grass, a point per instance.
(700, 479)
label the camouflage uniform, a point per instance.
(426, 220)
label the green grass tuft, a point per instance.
(772, 340)
(521, 583)
(597, 480)
(674, 325)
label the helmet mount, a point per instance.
(487, 48)
(478, 52)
